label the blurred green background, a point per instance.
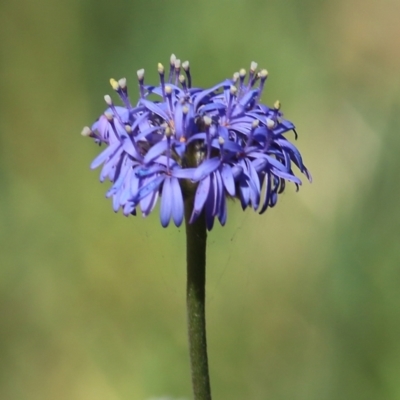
(303, 302)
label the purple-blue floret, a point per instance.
(210, 144)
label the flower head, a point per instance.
(211, 143)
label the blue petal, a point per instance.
(206, 168)
(227, 179)
(201, 194)
(146, 132)
(139, 120)
(148, 188)
(178, 121)
(106, 154)
(166, 203)
(286, 176)
(244, 102)
(129, 208)
(154, 108)
(183, 173)
(177, 204)
(156, 150)
(107, 170)
(211, 107)
(126, 191)
(293, 151)
(210, 205)
(232, 146)
(197, 136)
(223, 132)
(204, 93)
(120, 180)
(116, 204)
(223, 212)
(129, 148)
(180, 149)
(267, 195)
(148, 203)
(244, 192)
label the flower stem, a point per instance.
(196, 239)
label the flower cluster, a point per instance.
(211, 144)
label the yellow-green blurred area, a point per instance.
(303, 302)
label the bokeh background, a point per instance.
(303, 302)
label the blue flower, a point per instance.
(211, 144)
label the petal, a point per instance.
(105, 155)
(178, 120)
(177, 203)
(204, 93)
(286, 175)
(201, 194)
(156, 150)
(155, 108)
(197, 136)
(206, 168)
(244, 192)
(183, 173)
(267, 195)
(148, 203)
(227, 179)
(129, 148)
(233, 146)
(223, 212)
(166, 202)
(148, 188)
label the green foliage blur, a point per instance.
(303, 302)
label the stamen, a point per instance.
(242, 75)
(110, 103)
(233, 92)
(186, 67)
(114, 84)
(110, 119)
(129, 131)
(168, 89)
(87, 132)
(185, 112)
(182, 81)
(252, 76)
(277, 105)
(140, 75)
(161, 72)
(171, 68)
(177, 65)
(168, 134)
(122, 83)
(168, 92)
(122, 90)
(207, 123)
(161, 69)
(254, 126)
(108, 100)
(253, 67)
(270, 123)
(109, 116)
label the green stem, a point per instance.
(196, 239)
